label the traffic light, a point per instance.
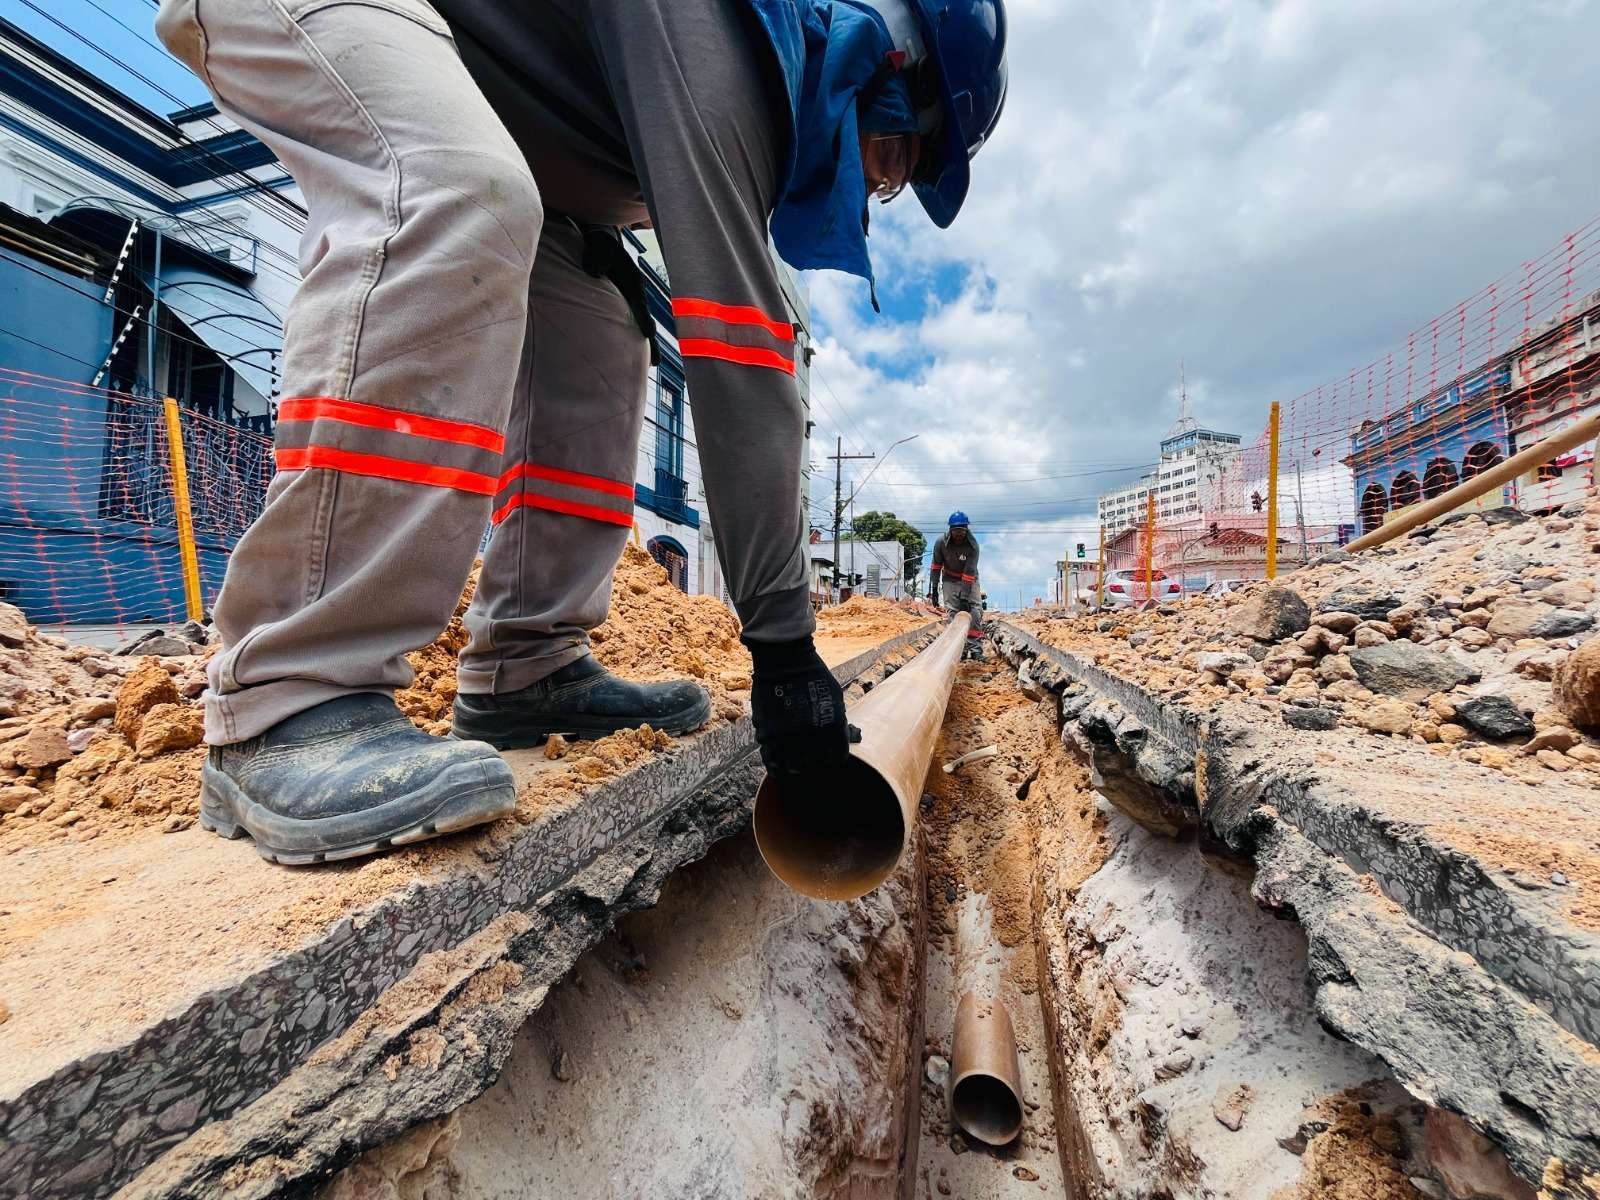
(1080, 550)
(1256, 501)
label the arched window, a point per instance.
(1480, 458)
(672, 556)
(1374, 503)
(1405, 490)
(1440, 478)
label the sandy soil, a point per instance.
(979, 833)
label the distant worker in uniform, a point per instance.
(955, 573)
(470, 345)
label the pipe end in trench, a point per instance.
(833, 836)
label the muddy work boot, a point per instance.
(349, 777)
(581, 700)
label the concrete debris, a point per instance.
(1408, 671)
(1495, 717)
(1272, 615)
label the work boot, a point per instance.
(581, 700)
(349, 777)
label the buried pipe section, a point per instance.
(985, 1077)
(837, 837)
(985, 1092)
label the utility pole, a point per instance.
(1300, 512)
(839, 458)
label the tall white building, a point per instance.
(1194, 463)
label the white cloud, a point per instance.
(1273, 192)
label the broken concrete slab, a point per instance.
(98, 1103)
(1380, 849)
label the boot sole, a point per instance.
(465, 795)
(522, 733)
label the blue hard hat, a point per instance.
(958, 518)
(966, 40)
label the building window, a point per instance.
(673, 558)
(1374, 503)
(1440, 478)
(1405, 490)
(1548, 472)
(1480, 458)
(669, 424)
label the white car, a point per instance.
(1124, 589)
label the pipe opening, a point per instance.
(831, 840)
(987, 1108)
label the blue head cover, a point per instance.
(958, 518)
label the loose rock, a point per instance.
(1406, 670)
(147, 686)
(41, 748)
(1577, 685)
(169, 727)
(1387, 716)
(1272, 615)
(1494, 717)
(13, 625)
(1365, 606)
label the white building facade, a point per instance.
(1194, 463)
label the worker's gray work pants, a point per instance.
(406, 344)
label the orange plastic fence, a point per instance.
(88, 524)
(1503, 369)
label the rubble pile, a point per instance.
(1474, 637)
(94, 742)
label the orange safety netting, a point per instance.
(1501, 371)
(88, 520)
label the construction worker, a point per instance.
(955, 569)
(466, 348)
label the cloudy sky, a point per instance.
(1271, 192)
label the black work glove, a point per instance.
(797, 707)
(933, 597)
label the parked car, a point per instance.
(1124, 589)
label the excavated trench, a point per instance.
(738, 1040)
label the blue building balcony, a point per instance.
(668, 499)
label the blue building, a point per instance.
(141, 257)
(1426, 448)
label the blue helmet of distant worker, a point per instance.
(959, 518)
(956, 68)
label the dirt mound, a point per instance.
(92, 751)
(655, 631)
(91, 744)
(869, 616)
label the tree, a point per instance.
(886, 527)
